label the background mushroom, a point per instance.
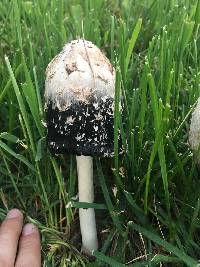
(79, 94)
(194, 134)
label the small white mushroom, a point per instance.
(194, 133)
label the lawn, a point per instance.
(147, 202)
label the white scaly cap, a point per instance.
(77, 72)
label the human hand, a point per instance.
(19, 245)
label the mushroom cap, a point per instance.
(194, 133)
(79, 71)
(79, 96)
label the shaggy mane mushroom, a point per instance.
(79, 95)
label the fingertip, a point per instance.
(14, 214)
(29, 229)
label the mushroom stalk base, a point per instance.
(86, 194)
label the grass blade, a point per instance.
(164, 244)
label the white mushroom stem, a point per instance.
(86, 194)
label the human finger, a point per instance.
(29, 253)
(10, 231)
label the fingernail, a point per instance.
(14, 213)
(29, 229)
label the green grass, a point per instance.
(147, 203)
